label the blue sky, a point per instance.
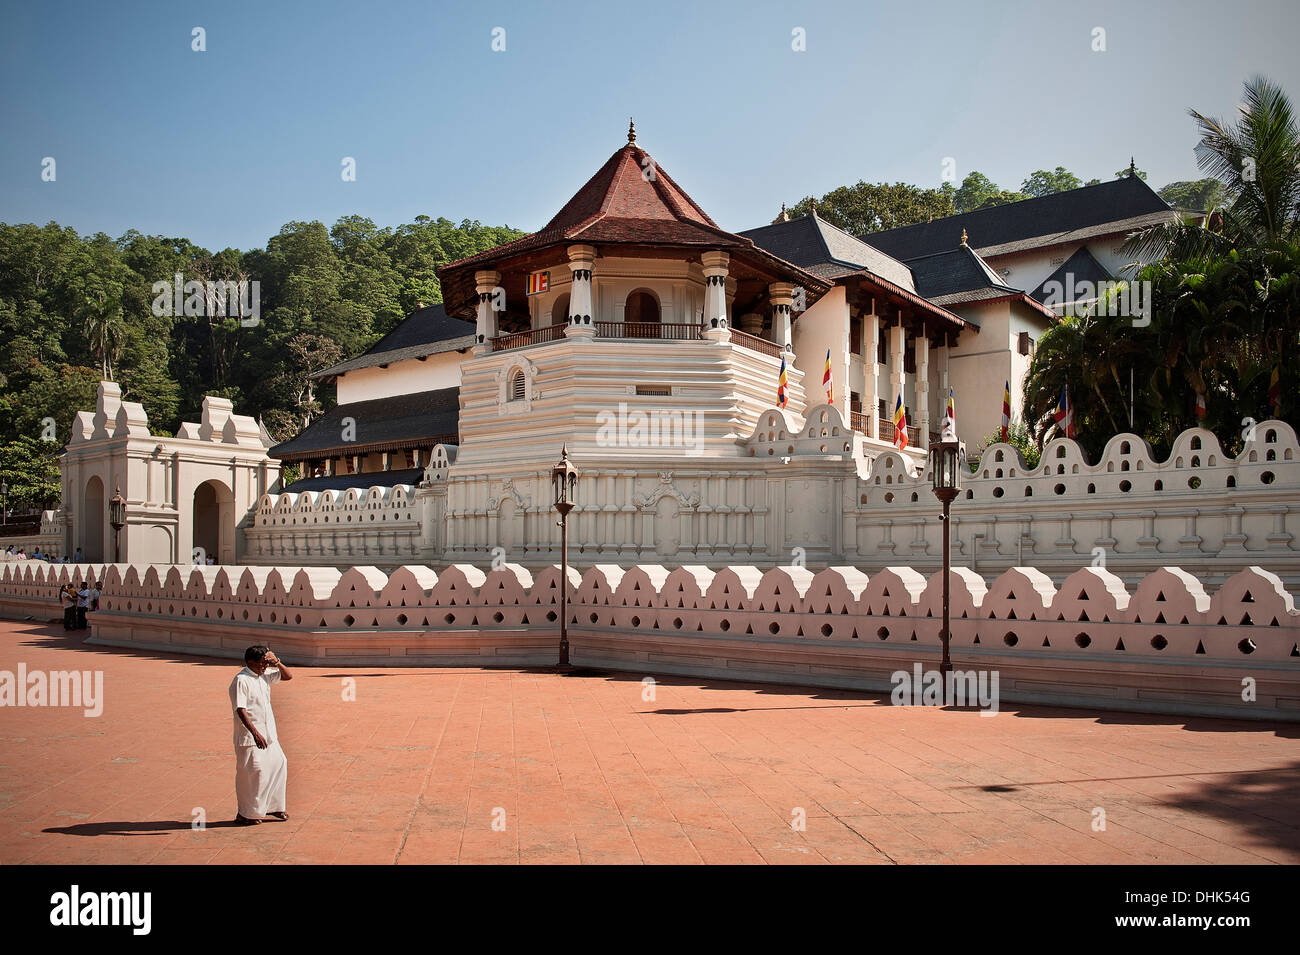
(226, 145)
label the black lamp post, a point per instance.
(4, 502)
(117, 517)
(564, 487)
(944, 457)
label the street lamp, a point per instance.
(4, 502)
(944, 461)
(117, 517)
(564, 487)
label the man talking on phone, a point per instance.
(261, 769)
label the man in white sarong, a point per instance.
(261, 769)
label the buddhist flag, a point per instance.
(1006, 411)
(781, 382)
(1200, 406)
(951, 412)
(1065, 412)
(900, 425)
(826, 380)
(1275, 394)
(538, 282)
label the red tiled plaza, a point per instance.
(582, 768)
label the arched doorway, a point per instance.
(560, 310)
(93, 516)
(641, 313)
(214, 523)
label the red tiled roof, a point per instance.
(621, 203)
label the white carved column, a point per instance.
(897, 342)
(922, 345)
(582, 323)
(715, 296)
(782, 298)
(871, 370)
(486, 284)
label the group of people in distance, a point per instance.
(20, 553)
(76, 603)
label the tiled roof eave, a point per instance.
(350, 449)
(1049, 240)
(910, 297)
(391, 358)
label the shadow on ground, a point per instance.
(136, 828)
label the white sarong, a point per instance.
(261, 776)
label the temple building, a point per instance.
(684, 369)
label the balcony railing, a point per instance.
(753, 342)
(860, 422)
(530, 336)
(633, 331)
(655, 331)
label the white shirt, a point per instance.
(83, 598)
(252, 693)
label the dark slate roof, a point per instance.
(1121, 205)
(812, 243)
(426, 331)
(955, 271)
(960, 276)
(382, 424)
(1081, 267)
(341, 482)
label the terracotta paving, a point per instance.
(582, 769)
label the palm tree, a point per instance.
(1258, 161)
(104, 328)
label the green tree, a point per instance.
(873, 207)
(1200, 195)
(1044, 183)
(30, 468)
(975, 189)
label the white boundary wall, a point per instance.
(1168, 645)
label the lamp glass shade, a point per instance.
(564, 481)
(117, 510)
(943, 464)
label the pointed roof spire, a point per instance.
(631, 132)
(1132, 167)
(785, 214)
(812, 204)
(964, 237)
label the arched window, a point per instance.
(641, 310)
(516, 389)
(560, 310)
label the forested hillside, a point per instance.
(77, 308)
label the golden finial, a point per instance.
(963, 236)
(812, 204)
(631, 132)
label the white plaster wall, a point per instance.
(824, 325)
(401, 378)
